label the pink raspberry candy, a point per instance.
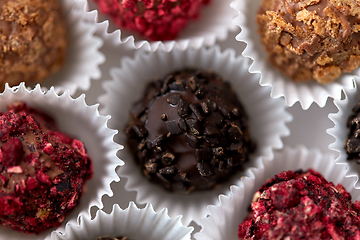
(155, 19)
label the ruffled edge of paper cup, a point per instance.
(340, 131)
(76, 118)
(83, 54)
(131, 222)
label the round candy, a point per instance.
(33, 40)
(42, 171)
(189, 132)
(155, 19)
(316, 39)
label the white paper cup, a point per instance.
(305, 93)
(214, 24)
(131, 222)
(340, 131)
(84, 123)
(83, 56)
(224, 219)
(267, 117)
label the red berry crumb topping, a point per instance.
(301, 205)
(155, 19)
(42, 171)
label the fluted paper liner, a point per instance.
(214, 23)
(224, 219)
(267, 117)
(340, 131)
(83, 56)
(305, 93)
(131, 222)
(84, 123)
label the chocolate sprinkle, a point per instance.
(201, 137)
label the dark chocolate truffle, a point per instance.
(42, 171)
(155, 19)
(352, 145)
(317, 39)
(301, 205)
(189, 131)
(33, 40)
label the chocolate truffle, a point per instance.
(33, 40)
(316, 39)
(352, 144)
(42, 171)
(189, 131)
(155, 19)
(301, 205)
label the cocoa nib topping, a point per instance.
(189, 132)
(301, 205)
(42, 171)
(352, 144)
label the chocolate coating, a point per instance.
(42, 171)
(33, 40)
(301, 205)
(316, 39)
(189, 132)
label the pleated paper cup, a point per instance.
(224, 219)
(213, 24)
(83, 122)
(83, 56)
(340, 131)
(131, 222)
(304, 93)
(267, 117)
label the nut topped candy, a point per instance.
(42, 171)
(316, 39)
(33, 40)
(301, 205)
(189, 131)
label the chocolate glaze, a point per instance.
(191, 133)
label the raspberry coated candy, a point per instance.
(42, 171)
(301, 205)
(154, 19)
(189, 132)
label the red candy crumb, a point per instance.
(155, 19)
(301, 205)
(42, 171)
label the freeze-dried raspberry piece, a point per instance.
(42, 171)
(156, 20)
(301, 205)
(12, 152)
